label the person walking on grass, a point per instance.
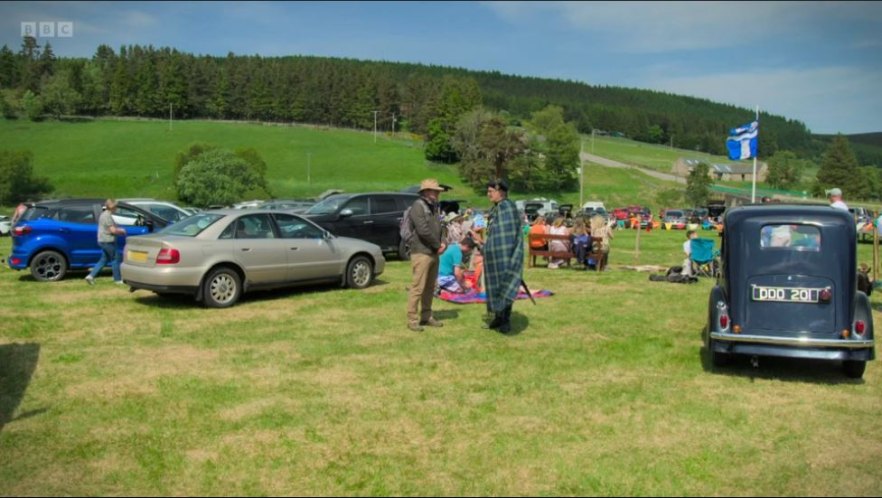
(108, 231)
(425, 250)
(503, 256)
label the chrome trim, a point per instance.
(794, 341)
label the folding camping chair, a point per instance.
(703, 257)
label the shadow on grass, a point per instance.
(148, 298)
(17, 365)
(779, 368)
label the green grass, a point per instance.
(657, 157)
(112, 158)
(107, 158)
(323, 391)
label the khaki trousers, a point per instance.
(424, 270)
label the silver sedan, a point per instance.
(217, 255)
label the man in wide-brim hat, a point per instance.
(426, 247)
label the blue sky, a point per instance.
(817, 62)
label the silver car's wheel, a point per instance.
(48, 266)
(359, 273)
(222, 288)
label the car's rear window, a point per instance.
(791, 237)
(192, 226)
(328, 206)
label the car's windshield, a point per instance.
(192, 226)
(328, 206)
(674, 214)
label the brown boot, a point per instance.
(431, 322)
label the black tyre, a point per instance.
(854, 369)
(49, 266)
(359, 272)
(222, 288)
(403, 251)
(720, 359)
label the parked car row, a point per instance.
(219, 254)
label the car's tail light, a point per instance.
(15, 261)
(168, 256)
(21, 230)
(859, 327)
(724, 321)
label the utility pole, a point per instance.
(170, 105)
(309, 168)
(672, 141)
(375, 126)
(592, 140)
(581, 172)
(393, 124)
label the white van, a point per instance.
(593, 206)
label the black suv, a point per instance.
(374, 217)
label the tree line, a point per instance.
(489, 123)
(147, 81)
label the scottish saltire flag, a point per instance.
(742, 141)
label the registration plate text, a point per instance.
(786, 294)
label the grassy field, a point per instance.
(109, 158)
(657, 157)
(600, 390)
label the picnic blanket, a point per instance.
(481, 297)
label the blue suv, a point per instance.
(52, 237)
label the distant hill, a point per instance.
(867, 147)
(152, 82)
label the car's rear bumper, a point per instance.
(157, 279)
(793, 347)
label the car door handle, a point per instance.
(246, 249)
(294, 248)
(369, 222)
(64, 230)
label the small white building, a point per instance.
(722, 172)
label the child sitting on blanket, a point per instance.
(451, 272)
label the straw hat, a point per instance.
(430, 184)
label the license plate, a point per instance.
(786, 294)
(136, 256)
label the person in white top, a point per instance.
(687, 248)
(835, 196)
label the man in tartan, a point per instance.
(503, 255)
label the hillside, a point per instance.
(134, 158)
(867, 147)
(151, 82)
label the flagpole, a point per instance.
(753, 191)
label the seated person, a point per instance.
(558, 228)
(581, 241)
(451, 272)
(687, 248)
(539, 227)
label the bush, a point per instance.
(218, 176)
(17, 181)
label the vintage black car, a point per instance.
(788, 287)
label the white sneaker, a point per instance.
(119, 282)
(90, 280)
(552, 266)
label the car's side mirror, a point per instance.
(327, 235)
(346, 213)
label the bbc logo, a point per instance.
(60, 29)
